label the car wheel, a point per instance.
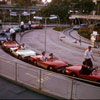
(73, 74)
(50, 68)
(63, 71)
(35, 62)
(8, 49)
(98, 81)
(28, 59)
(19, 57)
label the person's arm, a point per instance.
(92, 57)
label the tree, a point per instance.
(62, 7)
(84, 6)
(22, 3)
(57, 7)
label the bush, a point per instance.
(85, 32)
(61, 28)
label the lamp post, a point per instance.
(45, 18)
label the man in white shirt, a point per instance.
(12, 34)
(22, 26)
(29, 23)
(87, 56)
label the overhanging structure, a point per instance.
(95, 17)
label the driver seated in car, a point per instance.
(51, 56)
(44, 57)
(7, 40)
(23, 47)
(86, 69)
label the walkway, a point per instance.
(72, 37)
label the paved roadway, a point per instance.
(36, 41)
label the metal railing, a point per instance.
(50, 83)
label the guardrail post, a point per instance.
(40, 80)
(72, 89)
(16, 71)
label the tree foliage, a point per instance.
(56, 7)
(85, 6)
(61, 8)
(23, 3)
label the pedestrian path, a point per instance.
(67, 38)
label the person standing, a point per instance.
(29, 23)
(22, 26)
(87, 56)
(12, 34)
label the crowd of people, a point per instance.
(13, 32)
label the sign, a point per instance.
(95, 33)
(25, 13)
(33, 12)
(93, 38)
(37, 17)
(13, 14)
(71, 17)
(54, 17)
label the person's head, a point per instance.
(51, 55)
(43, 53)
(89, 48)
(23, 44)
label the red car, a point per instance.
(75, 71)
(37, 26)
(53, 64)
(11, 44)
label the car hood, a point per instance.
(75, 67)
(57, 63)
(26, 52)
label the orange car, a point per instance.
(53, 64)
(11, 44)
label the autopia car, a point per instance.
(17, 29)
(75, 71)
(53, 64)
(23, 54)
(10, 44)
(37, 26)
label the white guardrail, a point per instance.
(53, 84)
